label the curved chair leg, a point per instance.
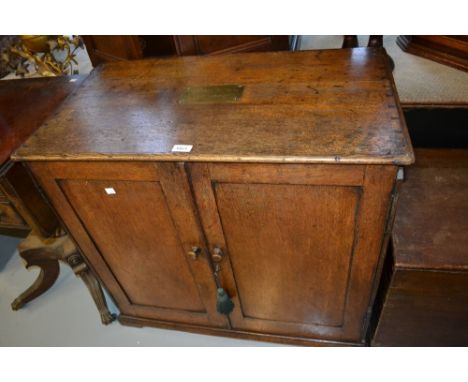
(46, 253)
(49, 271)
(81, 269)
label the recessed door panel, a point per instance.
(290, 248)
(133, 230)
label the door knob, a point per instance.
(217, 255)
(194, 253)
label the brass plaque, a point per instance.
(211, 94)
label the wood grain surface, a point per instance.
(426, 299)
(431, 226)
(25, 104)
(311, 106)
(301, 255)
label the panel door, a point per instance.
(136, 225)
(301, 243)
(193, 45)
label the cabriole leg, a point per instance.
(49, 271)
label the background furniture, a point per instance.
(375, 41)
(351, 41)
(115, 48)
(426, 289)
(281, 204)
(24, 106)
(448, 50)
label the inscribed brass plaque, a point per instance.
(212, 94)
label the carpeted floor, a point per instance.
(417, 79)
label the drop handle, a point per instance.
(224, 304)
(194, 253)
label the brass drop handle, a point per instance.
(218, 255)
(224, 303)
(194, 253)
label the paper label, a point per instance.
(109, 191)
(182, 148)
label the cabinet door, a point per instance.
(136, 225)
(301, 243)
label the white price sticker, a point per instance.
(182, 148)
(109, 191)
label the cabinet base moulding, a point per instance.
(145, 322)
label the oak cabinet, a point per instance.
(257, 175)
(296, 243)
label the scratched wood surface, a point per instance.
(431, 225)
(310, 106)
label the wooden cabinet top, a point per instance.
(309, 107)
(25, 104)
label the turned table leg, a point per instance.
(81, 269)
(49, 271)
(350, 41)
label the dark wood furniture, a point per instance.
(24, 105)
(426, 303)
(279, 199)
(351, 41)
(375, 41)
(447, 50)
(116, 48)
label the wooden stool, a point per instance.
(45, 254)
